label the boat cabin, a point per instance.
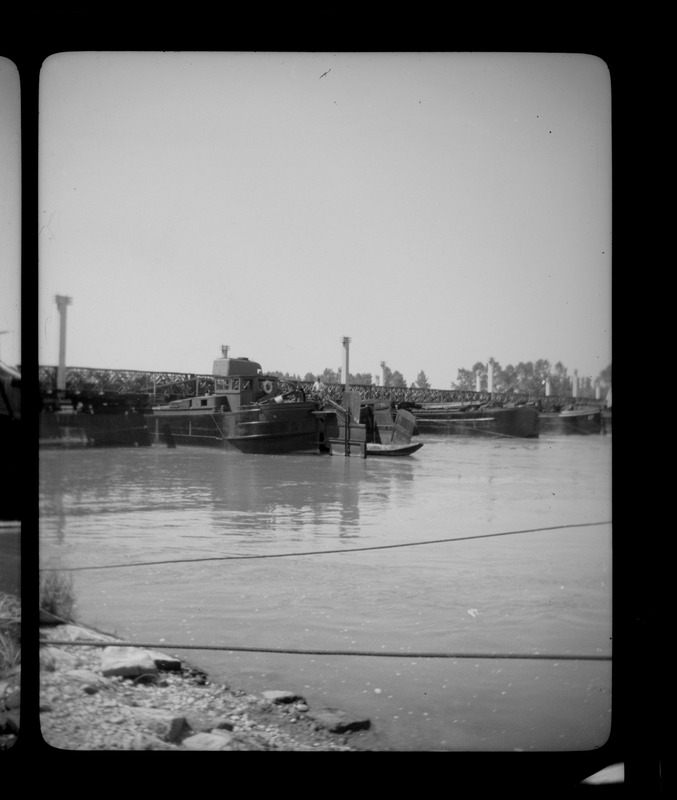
(241, 382)
(237, 382)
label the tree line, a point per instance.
(526, 377)
(530, 377)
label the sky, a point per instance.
(439, 209)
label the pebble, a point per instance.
(73, 717)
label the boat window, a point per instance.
(247, 384)
(203, 401)
(236, 384)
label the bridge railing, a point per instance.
(159, 385)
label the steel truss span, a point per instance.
(87, 380)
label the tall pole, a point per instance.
(490, 377)
(346, 356)
(62, 304)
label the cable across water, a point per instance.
(325, 552)
(370, 653)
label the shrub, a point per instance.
(56, 594)
(10, 632)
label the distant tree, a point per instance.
(542, 369)
(329, 376)
(393, 378)
(523, 378)
(465, 380)
(284, 376)
(422, 381)
(604, 377)
(559, 380)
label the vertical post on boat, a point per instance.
(490, 377)
(478, 381)
(62, 303)
(548, 387)
(383, 373)
(346, 374)
(574, 384)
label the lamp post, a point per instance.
(62, 303)
(346, 355)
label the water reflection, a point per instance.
(225, 494)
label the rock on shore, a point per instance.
(127, 698)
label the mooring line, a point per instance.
(324, 552)
(163, 647)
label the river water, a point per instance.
(393, 560)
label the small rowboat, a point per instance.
(374, 449)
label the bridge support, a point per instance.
(346, 359)
(62, 303)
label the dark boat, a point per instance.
(368, 428)
(477, 420)
(248, 411)
(96, 419)
(585, 421)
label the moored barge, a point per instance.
(248, 411)
(583, 421)
(477, 420)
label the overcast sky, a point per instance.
(439, 209)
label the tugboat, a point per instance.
(248, 411)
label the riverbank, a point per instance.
(101, 698)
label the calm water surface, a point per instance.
(217, 548)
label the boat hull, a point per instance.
(577, 421)
(348, 437)
(392, 449)
(517, 421)
(56, 429)
(279, 428)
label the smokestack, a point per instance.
(383, 373)
(490, 376)
(62, 304)
(478, 380)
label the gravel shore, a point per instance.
(80, 709)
